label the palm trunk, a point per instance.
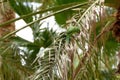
(6, 13)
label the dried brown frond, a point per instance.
(116, 26)
(118, 14)
(116, 30)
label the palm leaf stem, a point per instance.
(69, 6)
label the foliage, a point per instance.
(11, 66)
(62, 17)
(85, 51)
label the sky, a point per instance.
(25, 33)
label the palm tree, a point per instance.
(85, 51)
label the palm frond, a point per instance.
(11, 65)
(22, 8)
